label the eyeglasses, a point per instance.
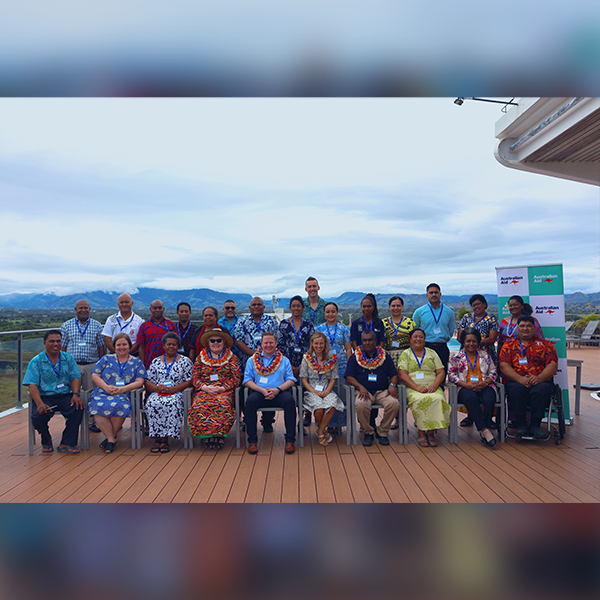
(216, 341)
(229, 308)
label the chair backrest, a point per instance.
(568, 325)
(589, 330)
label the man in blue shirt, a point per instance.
(437, 321)
(230, 319)
(269, 376)
(54, 382)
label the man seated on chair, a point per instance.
(529, 364)
(373, 373)
(269, 376)
(54, 382)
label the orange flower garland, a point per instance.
(311, 359)
(270, 368)
(370, 363)
(215, 362)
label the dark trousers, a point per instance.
(473, 401)
(71, 413)
(442, 351)
(284, 400)
(537, 397)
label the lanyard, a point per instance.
(162, 326)
(85, 328)
(317, 359)
(125, 323)
(474, 365)
(182, 337)
(422, 359)
(312, 313)
(511, 327)
(439, 316)
(482, 318)
(270, 361)
(523, 354)
(168, 367)
(365, 322)
(331, 337)
(296, 333)
(56, 371)
(121, 367)
(218, 357)
(396, 328)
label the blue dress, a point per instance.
(108, 367)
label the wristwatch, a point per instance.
(77, 394)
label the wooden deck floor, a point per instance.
(514, 472)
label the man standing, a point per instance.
(150, 334)
(373, 373)
(269, 375)
(249, 329)
(82, 339)
(125, 321)
(529, 364)
(185, 328)
(437, 321)
(314, 306)
(54, 385)
(230, 319)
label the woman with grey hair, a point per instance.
(166, 378)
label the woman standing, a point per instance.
(215, 376)
(166, 379)
(210, 316)
(397, 329)
(508, 327)
(115, 375)
(319, 373)
(338, 336)
(293, 337)
(486, 324)
(369, 321)
(422, 371)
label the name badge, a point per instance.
(474, 379)
(214, 377)
(256, 337)
(419, 375)
(523, 361)
(437, 330)
(168, 382)
(372, 377)
(296, 349)
(395, 344)
(264, 380)
(181, 350)
(119, 383)
(320, 387)
(82, 344)
(60, 385)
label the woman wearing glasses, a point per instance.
(215, 376)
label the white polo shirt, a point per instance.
(117, 324)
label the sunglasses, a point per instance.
(229, 308)
(216, 341)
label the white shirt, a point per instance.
(117, 324)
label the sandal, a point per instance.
(110, 446)
(394, 424)
(431, 438)
(164, 447)
(156, 447)
(423, 440)
(219, 443)
(103, 443)
(48, 447)
(466, 422)
(69, 449)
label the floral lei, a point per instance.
(215, 361)
(311, 359)
(272, 367)
(370, 363)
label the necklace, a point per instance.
(311, 359)
(273, 363)
(370, 363)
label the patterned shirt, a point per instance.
(52, 379)
(484, 326)
(150, 336)
(460, 368)
(437, 323)
(249, 332)
(117, 324)
(338, 335)
(396, 336)
(539, 354)
(82, 341)
(508, 330)
(292, 343)
(317, 316)
(187, 336)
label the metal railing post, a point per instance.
(19, 370)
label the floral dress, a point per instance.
(111, 370)
(484, 326)
(292, 343)
(214, 414)
(338, 335)
(165, 413)
(311, 401)
(430, 411)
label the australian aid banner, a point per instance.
(542, 287)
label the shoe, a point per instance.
(431, 438)
(491, 443)
(268, 428)
(538, 433)
(164, 447)
(68, 449)
(94, 428)
(46, 448)
(368, 439)
(306, 420)
(422, 439)
(466, 422)
(103, 443)
(110, 446)
(156, 447)
(394, 425)
(383, 440)
(252, 449)
(290, 448)
(521, 431)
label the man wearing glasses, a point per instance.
(230, 319)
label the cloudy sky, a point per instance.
(254, 195)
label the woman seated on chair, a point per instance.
(215, 376)
(423, 373)
(115, 375)
(473, 371)
(319, 373)
(167, 377)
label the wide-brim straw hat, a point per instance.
(217, 333)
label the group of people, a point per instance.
(269, 358)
